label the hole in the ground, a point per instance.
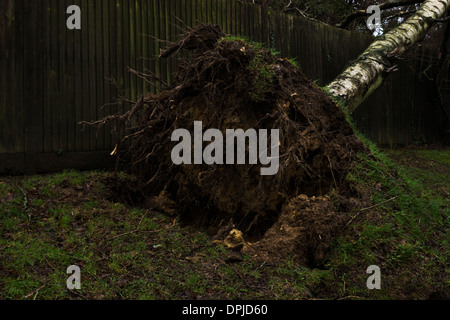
(252, 224)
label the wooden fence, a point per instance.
(51, 77)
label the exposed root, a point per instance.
(231, 84)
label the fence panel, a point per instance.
(52, 78)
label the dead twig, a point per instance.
(368, 208)
(130, 232)
(35, 292)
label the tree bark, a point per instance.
(368, 71)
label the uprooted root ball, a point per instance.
(232, 84)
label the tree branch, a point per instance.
(383, 6)
(368, 71)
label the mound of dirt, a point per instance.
(304, 230)
(233, 84)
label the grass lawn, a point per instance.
(50, 222)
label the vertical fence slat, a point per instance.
(247, 17)
(11, 94)
(242, 10)
(112, 76)
(49, 79)
(85, 71)
(11, 37)
(198, 12)
(145, 42)
(204, 14)
(234, 21)
(172, 35)
(5, 58)
(167, 28)
(217, 6)
(188, 7)
(107, 97)
(213, 9)
(78, 75)
(19, 76)
(131, 48)
(229, 25)
(100, 56)
(54, 77)
(39, 76)
(3, 62)
(120, 47)
(71, 94)
(92, 107)
(33, 84)
(140, 42)
(151, 41)
(127, 50)
(162, 36)
(63, 118)
(156, 28)
(10, 80)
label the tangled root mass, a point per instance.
(229, 84)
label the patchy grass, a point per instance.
(123, 252)
(406, 231)
(50, 222)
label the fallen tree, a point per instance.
(369, 70)
(230, 83)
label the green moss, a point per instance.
(263, 71)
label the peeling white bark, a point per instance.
(366, 73)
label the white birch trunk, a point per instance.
(367, 72)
